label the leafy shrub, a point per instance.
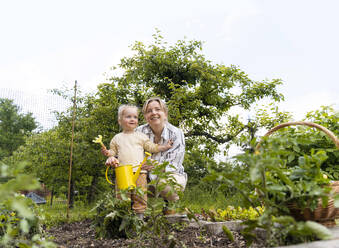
(302, 183)
(115, 218)
(19, 226)
(276, 177)
(313, 139)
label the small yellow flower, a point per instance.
(256, 152)
(223, 213)
(324, 176)
(13, 214)
(98, 140)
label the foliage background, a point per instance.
(206, 100)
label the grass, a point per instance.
(57, 213)
(198, 197)
(195, 198)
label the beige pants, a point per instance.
(181, 181)
(140, 203)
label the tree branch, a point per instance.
(212, 137)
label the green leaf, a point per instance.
(24, 225)
(255, 174)
(319, 230)
(296, 149)
(21, 207)
(228, 233)
(123, 224)
(284, 220)
(290, 158)
(336, 201)
(124, 197)
(301, 161)
(284, 178)
(111, 215)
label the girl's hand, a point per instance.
(169, 144)
(112, 161)
(165, 147)
(104, 151)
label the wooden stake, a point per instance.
(71, 155)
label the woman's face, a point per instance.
(155, 115)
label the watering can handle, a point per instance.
(137, 173)
(106, 175)
(145, 158)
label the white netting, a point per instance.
(40, 104)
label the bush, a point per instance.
(289, 168)
(19, 226)
(115, 218)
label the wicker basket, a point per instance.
(322, 215)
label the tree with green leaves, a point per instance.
(199, 93)
(205, 99)
(14, 127)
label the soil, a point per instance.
(82, 234)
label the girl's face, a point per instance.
(129, 120)
(155, 115)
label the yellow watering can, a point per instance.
(125, 177)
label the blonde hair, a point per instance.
(162, 104)
(123, 107)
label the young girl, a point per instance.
(130, 146)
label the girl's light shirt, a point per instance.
(175, 155)
(130, 148)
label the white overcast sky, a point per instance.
(46, 44)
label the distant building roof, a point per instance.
(36, 198)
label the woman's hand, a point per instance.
(112, 161)
(147, 167)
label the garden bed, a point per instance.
(82, 234)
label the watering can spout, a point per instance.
(137, 173)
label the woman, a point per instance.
(160, 131)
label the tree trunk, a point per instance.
(71, 198)
(52, 196)
(91, 193)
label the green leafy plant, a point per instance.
(289, 231)
(282, 177)
(232, 213)
(328, 117)
(115, 218)
(19, 224)
(276, 176)
(157, 226)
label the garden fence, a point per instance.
(42, 105)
